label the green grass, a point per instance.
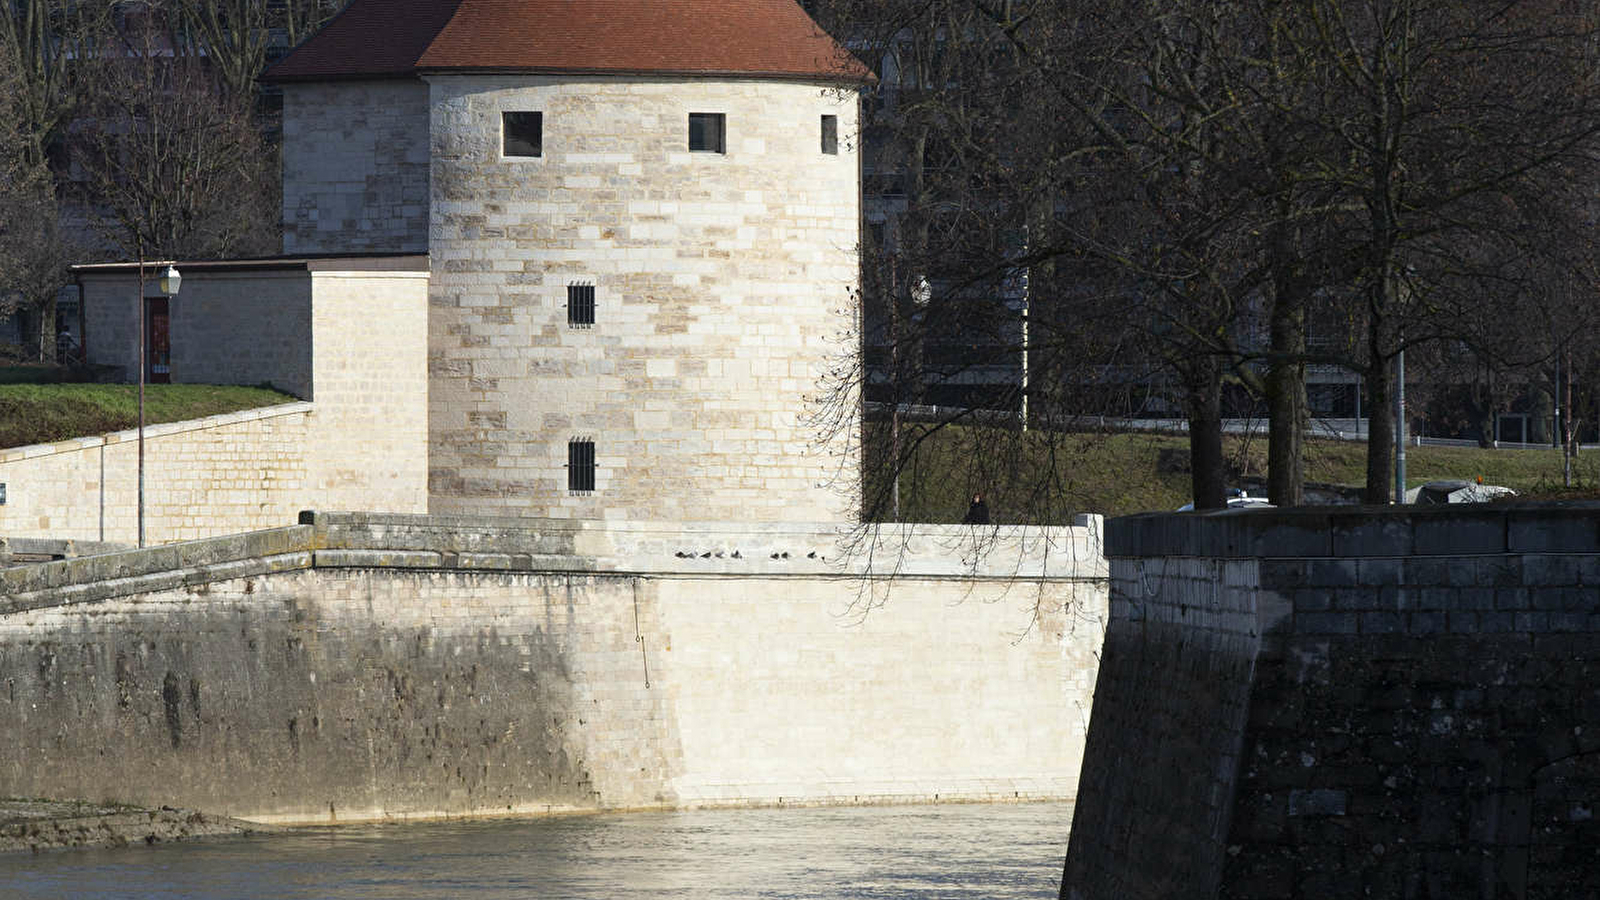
(1050, 477)
(41, 413)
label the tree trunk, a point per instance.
(47, 331)
(1286, 399)
(1205, 435)
(1380, 432)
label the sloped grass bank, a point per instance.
(1049, 477)
(42, 413)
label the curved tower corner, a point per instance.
(670, 300)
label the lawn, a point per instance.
(1046, 477)
(41, 413)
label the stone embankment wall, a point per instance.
(361, 666)
(1349, 703)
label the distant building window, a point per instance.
(580, 305)
(522, 134)
(830, 135)
(580, 465)
(708, 132)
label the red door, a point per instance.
(158, 339)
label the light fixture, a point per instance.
(168, 281)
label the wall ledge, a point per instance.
(73, 445)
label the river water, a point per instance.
(971, 850)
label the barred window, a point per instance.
(708, 132)
(580, 465)
(580, 305)
(522, 134)
(830, 135)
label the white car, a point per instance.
(1237, 499)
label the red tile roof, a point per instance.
(397, 38)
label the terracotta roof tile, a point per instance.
(390, 38)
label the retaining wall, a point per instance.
(1314, 703)
(363, 666)
(203, 477)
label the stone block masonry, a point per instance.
(364, 666)
(355, 167)
(203, 477)
(346, 334)
(1376, 703)
(721, 283)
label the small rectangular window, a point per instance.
(580, 465)
(708, 132)
(830, 135)
(580, 305)
(522, 134)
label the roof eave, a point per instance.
(409, 74)
(809, 76)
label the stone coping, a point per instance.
(151, 432)
(1345, 531)
(333, 540)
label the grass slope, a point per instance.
(41, 413)
(1117, 474)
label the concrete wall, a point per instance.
(355, 167)
(382, 666)
(246, 326)
(720, 282)
(1353, 703)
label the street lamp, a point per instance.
(167, 283)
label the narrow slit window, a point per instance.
(522, 134)
(580, 305)
(830, 135)
(580, 465)
(708, 132)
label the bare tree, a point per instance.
(237, 36)
(1218, 173)
(175, 165)
(33, 255)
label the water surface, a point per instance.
(971, 850)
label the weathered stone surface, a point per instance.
(462, 670)
(1422, 727)
(37, 826)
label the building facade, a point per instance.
(642, 256)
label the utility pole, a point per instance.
(1400, 427)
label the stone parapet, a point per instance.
(1007, 553)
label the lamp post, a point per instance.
(167, 283)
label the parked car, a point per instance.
(1237, 499)
(1457, 492)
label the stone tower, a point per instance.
(642, 218)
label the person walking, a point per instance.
(978, 512)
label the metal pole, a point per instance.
(1024, 360)
(1027, 288)
(1555, 401)
(139, 324)
(1400, 428)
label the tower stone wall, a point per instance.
(721, 283)
(355, 167)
